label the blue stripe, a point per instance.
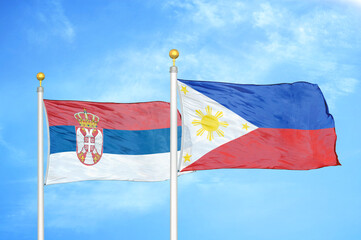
(63, 139)
(299, 105)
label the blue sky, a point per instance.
(118, 51)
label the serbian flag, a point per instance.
(108, 141)
(281, 126)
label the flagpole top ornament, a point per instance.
(40, 76)
(173, 54)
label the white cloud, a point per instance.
(348, 85)
(134, 75)
(210, 13)
(338, 87)
(352, 2)
(53, 22)
(267, 16)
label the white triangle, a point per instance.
(197, 146)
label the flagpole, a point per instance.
(40, 76)
(173, 148)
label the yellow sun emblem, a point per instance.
(209, 123)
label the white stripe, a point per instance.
(66, 167)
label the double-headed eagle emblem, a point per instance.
(89, 138)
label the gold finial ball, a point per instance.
(40, 76)
(173, 53)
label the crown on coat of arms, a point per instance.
(86, 119)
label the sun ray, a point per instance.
(210, 136)
(223, 124)
(209, 110)
(199, 113)
(200, 132)
(220, 132)
(196, 122)
(219, 114)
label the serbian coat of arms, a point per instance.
(89, 138)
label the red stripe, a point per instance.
(120, 116)
(274, 148)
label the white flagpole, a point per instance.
(40, 76)
(173, 148)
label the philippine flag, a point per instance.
(281, 126)
(108, 141)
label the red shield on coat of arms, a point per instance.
(89, 138)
